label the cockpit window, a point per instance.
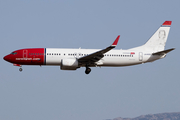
(13, 53)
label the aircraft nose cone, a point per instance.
(6, 58)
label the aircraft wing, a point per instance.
(96, 56)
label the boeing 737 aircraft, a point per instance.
(71, 59)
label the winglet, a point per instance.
(116, 41)
(167, 23)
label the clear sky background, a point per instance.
(48, 93)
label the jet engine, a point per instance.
(69, 64)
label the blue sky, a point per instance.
(44, 93)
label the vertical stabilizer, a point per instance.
(158, 40)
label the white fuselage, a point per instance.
(111, 58)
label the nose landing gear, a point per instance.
(20, 69)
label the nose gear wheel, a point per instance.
(20, 69)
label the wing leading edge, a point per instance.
(96, 56)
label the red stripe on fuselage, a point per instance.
(30, 56)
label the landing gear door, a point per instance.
(140, 56)
(25, 53)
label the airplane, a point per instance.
(72, 59)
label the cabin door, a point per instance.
(25, 53)
(140, 56)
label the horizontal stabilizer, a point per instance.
(163, 52)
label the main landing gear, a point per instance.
(88, 70)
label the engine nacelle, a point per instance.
(69, 64)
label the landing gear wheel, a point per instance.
(20, 69)
(88, 70)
